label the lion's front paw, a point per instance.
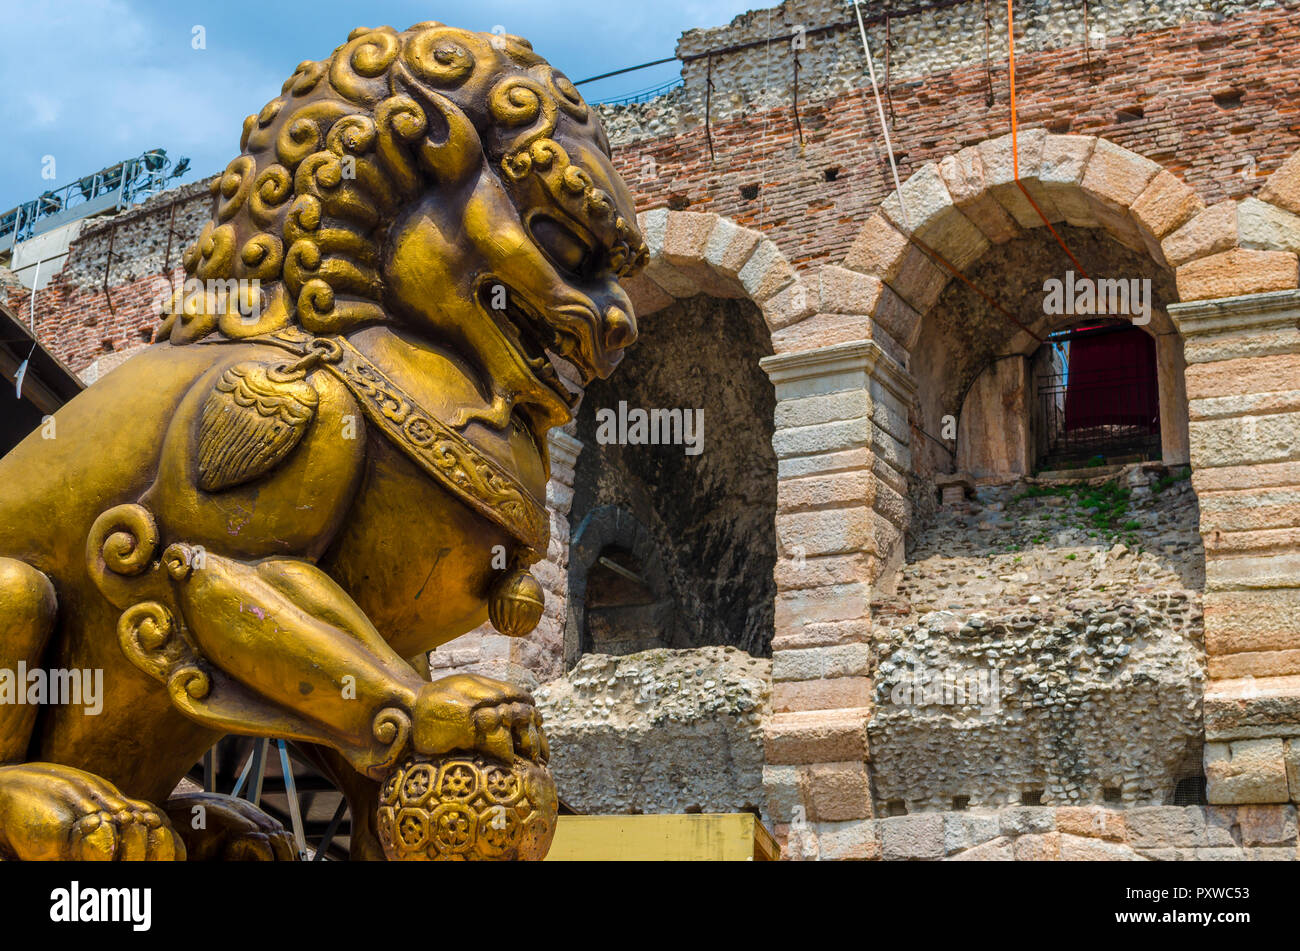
(466, 712)
(224, 829)
(53, 812)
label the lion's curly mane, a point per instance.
(300, 215)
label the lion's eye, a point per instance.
(562, 246)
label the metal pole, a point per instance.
(291, 793)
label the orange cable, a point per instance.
(1015, 144)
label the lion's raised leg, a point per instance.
(225, 829)
(50, 812)
(292, 638)
(27, 613)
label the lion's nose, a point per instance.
(620, 330)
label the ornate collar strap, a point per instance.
(435, 447)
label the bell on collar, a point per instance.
(515, 603)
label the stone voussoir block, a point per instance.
(1265, 227)
(686, 234)
(878, 249)
(729, 247)
(1210, 232)
(963, 174)
(1116, 177)
(843, 291)
(766, 272)
(1165, 204)
(785, 313)
(1283, 186)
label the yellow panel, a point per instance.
(695, 838)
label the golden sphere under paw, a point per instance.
(467, 807)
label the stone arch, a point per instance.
(704, 253)
(970, 203)
(709, 280)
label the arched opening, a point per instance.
(674, 501)
(1049, 391)
(1040, 614)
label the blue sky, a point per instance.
(97, 81)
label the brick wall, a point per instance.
(1203, 99)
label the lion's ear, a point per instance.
(253, 418)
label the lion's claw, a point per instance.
(469, 712)
(53, 812)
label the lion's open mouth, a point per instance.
(532, 337)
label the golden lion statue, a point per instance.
(333, 458)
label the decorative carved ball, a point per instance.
(467, 807)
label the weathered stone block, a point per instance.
(1078, 849)
(911, 837)
(766, 272)
(1267, 227)
(784, 788)
(1210, 232)
(965, 830)
(1094, 822)
(1115, 177)
(825, 532)
(1165, 204)
(1064, 160)
(997, 850)
(647, 296)
(963, 173)
(1024, 820)
(838, 792)
(920, 280)
(847, 660)
(1159, 826)
(999, 173)
(1039, 847)
(1237, 272)
(816, 736)
(841, 291)
(787, 310)
(729, 246)
(686, 234)
(854, 840)
(878, 249)
(1283, 186)
(1267, 825)
(821, 694)
(1246, 771)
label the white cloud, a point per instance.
(102, 81)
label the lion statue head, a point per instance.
(448, 183)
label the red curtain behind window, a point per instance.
(1112, 381)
